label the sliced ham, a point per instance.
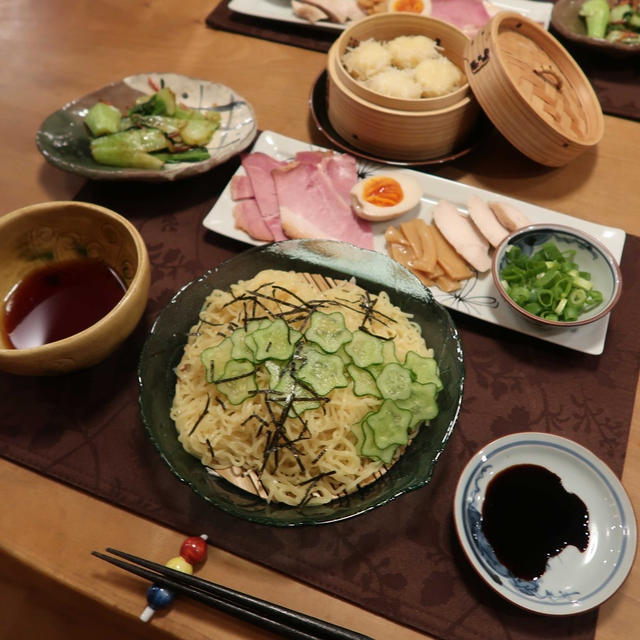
(509, 216)
(468, 15)
(460, 232)
(485, 220)
(258, 167)
(247, 217)
(312, 207)
(338, 10)
(307, 11)
(342, 171)
(240, 187)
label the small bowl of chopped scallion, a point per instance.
(556, 276)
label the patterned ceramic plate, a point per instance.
(63, 140)
(478, 296)
(573, 581)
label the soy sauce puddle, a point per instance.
(528, 517)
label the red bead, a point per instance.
(194, 550)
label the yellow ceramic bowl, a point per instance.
(37, 235)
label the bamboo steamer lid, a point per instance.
(533, 90)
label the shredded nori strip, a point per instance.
(202, 415)
(312, 482)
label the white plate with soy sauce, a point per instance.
(545, 523)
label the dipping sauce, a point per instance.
(528, 517)
(59, 300)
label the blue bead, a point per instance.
(158, 597)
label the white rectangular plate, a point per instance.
(478, 296)
(281, 10)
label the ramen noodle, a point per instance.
(296, 458)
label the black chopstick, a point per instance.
(266, 615)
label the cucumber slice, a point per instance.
(394, 382)
(281, 380)
(421, 403)
(239, 389)
(390, 425)
(328, 331)
(365, 349)
(323, 372)
(215, 359)
(424, 369)
(274, 342)
(370, 449)
(364, 383)
(241, 350)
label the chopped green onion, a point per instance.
(548, 283)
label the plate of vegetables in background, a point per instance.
(598, 24)
(151, 127)
(472, 290)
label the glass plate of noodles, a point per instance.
(374, 272)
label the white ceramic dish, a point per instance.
(63, 139)
(478, 296)
(574, 581)
(281, 10)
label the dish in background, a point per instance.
(373, 271)
(591, 256)
(566, 21)
(538, 11)
(573, 582)
(401, 128)
(478, 297)
(51, 232)
(64, 141)
(318, 107)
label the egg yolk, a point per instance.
(412, 6)
(382, 191)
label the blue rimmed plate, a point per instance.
(574, 581)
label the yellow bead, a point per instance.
(179, 564)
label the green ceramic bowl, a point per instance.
(373, 271)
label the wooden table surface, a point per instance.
(55, 51)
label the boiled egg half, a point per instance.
(385, 196)
(421, 7)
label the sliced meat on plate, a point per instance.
(258, 167)
(312, 207)
(461, 233)
(485, 220)
(509, 216)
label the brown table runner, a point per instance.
(616, 81)
(401, 561)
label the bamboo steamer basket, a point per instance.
(533, 90)
(375, 123)
(385, 27)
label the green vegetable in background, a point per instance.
(619, 23)
(103, 118)
(596, 14)
(155, 131)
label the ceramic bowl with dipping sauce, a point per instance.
(545, 523)
(74, 282)
(575, 282)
